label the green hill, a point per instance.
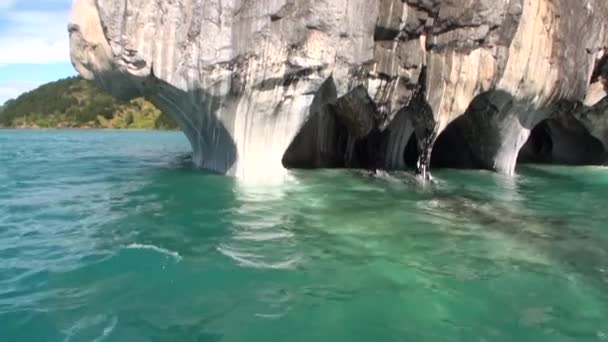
(77, 103)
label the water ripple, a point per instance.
(167, 252)
(116, 236)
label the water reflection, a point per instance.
(261, 223)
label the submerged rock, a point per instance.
(256, 85)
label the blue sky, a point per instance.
(34, 47)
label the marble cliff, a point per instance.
(258, 86)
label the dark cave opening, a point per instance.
(539, 147)
(343, 137)
(341, 133)
(563, 140)
(366, 152)
(451, 149)
(321, 143)
(324, 142)
(411, 152)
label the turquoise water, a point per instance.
(114, 236)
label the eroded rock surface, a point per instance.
(255, 84)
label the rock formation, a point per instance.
(257, 85)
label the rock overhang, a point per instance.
(244, 78)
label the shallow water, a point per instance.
(114, 236)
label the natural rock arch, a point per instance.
(247, 80)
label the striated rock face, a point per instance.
(257, 85)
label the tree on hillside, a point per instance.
(76, 102)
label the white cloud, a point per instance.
(33, 37)
(33, 51)
(33, 33)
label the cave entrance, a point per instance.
(562, 140)
(539, 147)
(321, 143)
(340, 134)
(325, 142)
(411, 154)
(451, 149)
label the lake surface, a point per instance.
(114, 236)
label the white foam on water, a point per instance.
(161, 250)
(269, 316)
(268, 236)
(252, 261)
(107, 331)
(256, 222)
(90, 322)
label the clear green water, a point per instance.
(113, 236)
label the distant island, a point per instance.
(78, 103)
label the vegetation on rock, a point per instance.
(78, 103)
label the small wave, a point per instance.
(161, 250)
(269, 316)
(248, 260)
(384, 175)
(263, 236)
(256, 223)
(107, 330)
(85, 324)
